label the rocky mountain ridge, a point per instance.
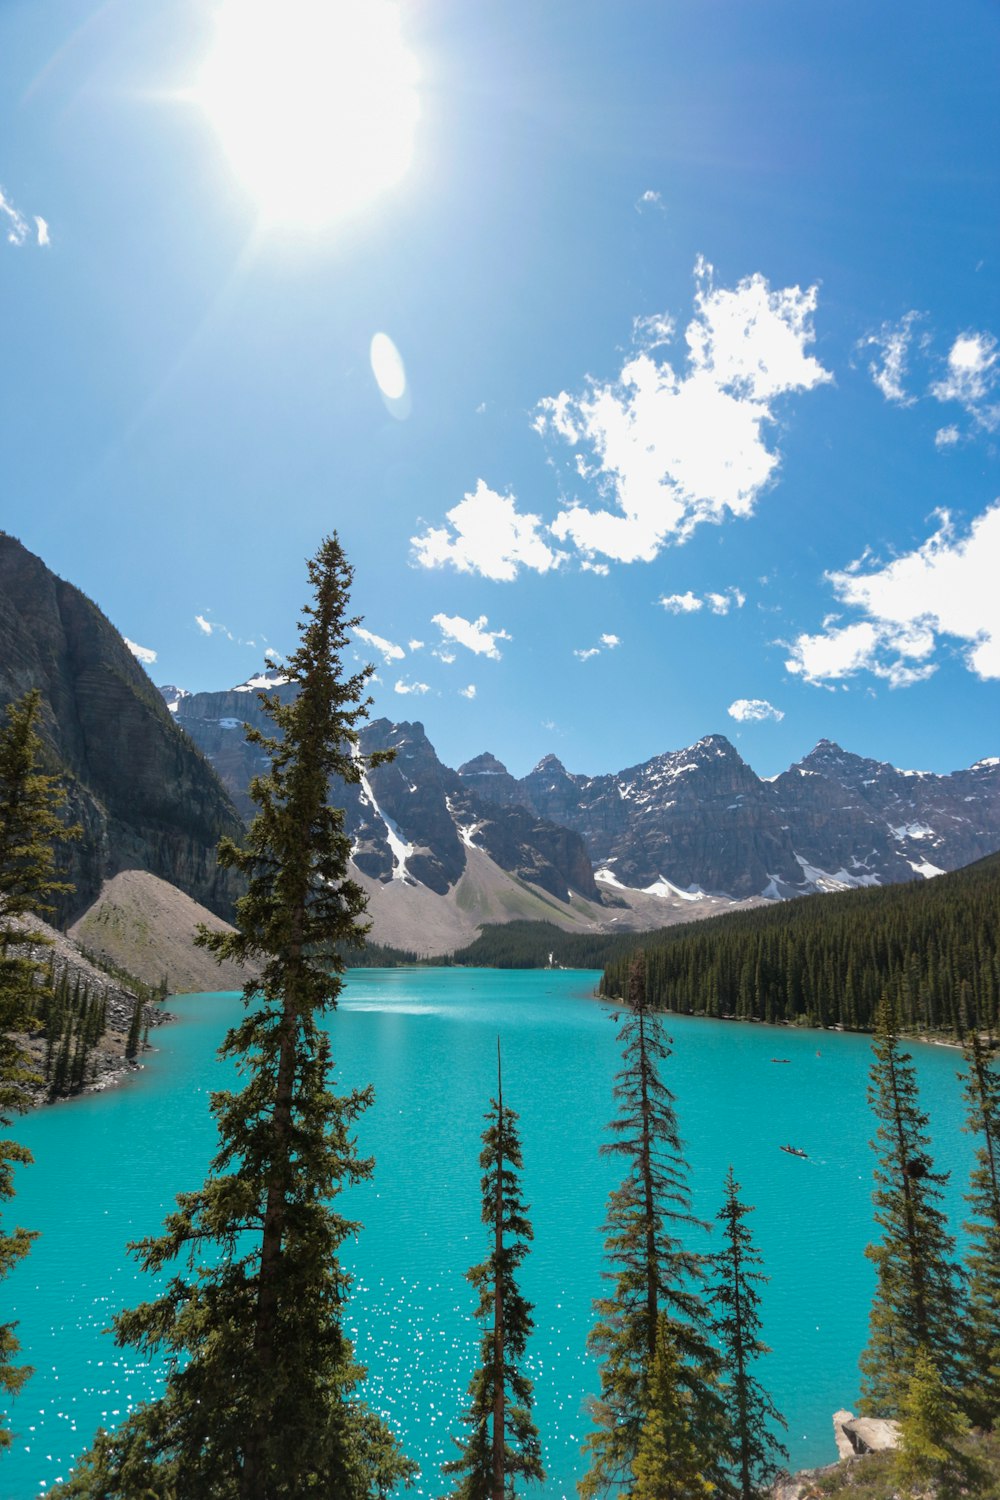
(701, 819)
(412, 820)
(680, 826)
(145, 795)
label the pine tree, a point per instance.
(751, 1416)
(260, 1399)
(917, 1299)
(980, 1363)
(930, 1459)
(135, 1029)
(653, 1274)
(31, 804)
(668, 1464)
(503, 1440)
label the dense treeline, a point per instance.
(377, 956)
(932, 947)
(73, 1019)
(537, 945)
(510, 945)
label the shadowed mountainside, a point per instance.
(146, 796)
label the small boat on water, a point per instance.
(781, 1059)
(794, 1150)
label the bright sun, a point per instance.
(315, 101)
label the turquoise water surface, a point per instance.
(107, 1167)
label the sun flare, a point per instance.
(315, 102)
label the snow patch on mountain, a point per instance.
(840, 880)
(913, 831)
(263, 682)
(664, 887)
(394, 836)
(925, 868)
(466, 831)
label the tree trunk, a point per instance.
(254, 1482)
(498, 1332)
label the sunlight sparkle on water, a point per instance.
(315, 102)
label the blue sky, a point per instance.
(696, 310)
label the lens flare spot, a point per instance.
(388, 367)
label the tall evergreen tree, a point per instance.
(930, 1459)
(503, 1440)
(260, 1400)
(668, 1463)
(751, 1415)
(917, 1300)
(31, 823)
(651, 1271)
(980, 1364)
(135, 1030)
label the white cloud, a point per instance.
(390, 651)
(971, 377)
(486, 535)
(608, 642)
(141, 653)
(214, 627)
(468, 692)
(411, 687)
(649, 199)
(888, 371)
(272, 655)
(674, 450)
(946, 588)
(473, 634)
(653, 331)
(946, 437)
(752, 710)
(415, 645)
(721, 604)
(680, 604)
(689, 603)
(12, 221)
(16, 229)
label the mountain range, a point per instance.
(156, 777)
(662, 841)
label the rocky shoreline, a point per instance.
(855, 1438)
(107, 1063)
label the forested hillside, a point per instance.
(932, 946)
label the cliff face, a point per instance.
(701, 817)
(146, 797)
(411, 820)
(696, 817)
(937, 822)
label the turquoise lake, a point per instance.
(108, 1166)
